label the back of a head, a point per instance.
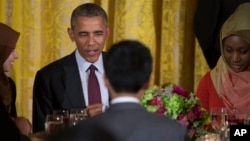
(128, 66)
(88, 10)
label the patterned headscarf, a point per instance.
(8, 40)
(232, 87)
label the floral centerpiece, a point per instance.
(178, 104)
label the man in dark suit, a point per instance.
(127, 75)
(63, 84)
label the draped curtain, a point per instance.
(165, 26)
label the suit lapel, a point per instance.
(72, 83)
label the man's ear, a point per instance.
(108, 32)
(147, 84)
(71, 34)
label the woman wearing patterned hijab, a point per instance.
(228, 84)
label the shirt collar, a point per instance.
(123, 99)
(84, 65)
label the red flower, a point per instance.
(197, 111)
(178, 104)
(161, 110)
(191, 116)
(180, 91)
(156, 101)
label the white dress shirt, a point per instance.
(83, 66)
(123, 99)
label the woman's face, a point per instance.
(237, 53)
(7, 65)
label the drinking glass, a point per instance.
(247, 120)
(53, 123)
(236, 117)
(65, 114)
(219, 118)
(76, 115)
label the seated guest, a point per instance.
(228, 84)
(127, 76)
(8, 55)
(8, 129)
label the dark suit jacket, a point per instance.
(56, 86)
(125, 122)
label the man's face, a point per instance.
(89, 34)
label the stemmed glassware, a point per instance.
(219, 118)
(53, 123)
(76, 115)
(65, 115)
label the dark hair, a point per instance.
(128, 66)
(88, 10)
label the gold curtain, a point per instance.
(163, 25)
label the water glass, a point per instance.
(53, 123)
(65, 114)
(208, 137)
(76, 115)
(238, 118)
(219, 118)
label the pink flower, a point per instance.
(183, 122)
(180, 91)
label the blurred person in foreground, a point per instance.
(10, 128)
(127, 75)
(228, 84)
(63, 84)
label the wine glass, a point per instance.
(236, 117)
(219, 118)
(65, 115)
(76, 115)
(53, 123)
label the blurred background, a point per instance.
(165, 26)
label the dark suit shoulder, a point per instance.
(68, 60)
